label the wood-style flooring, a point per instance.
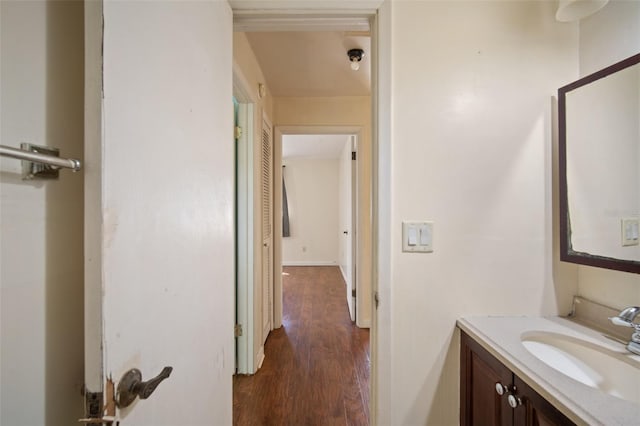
(316, 370)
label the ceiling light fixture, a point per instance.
(355, 56)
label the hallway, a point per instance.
(316, 370)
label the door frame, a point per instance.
(245, 224)
(279, 132)
(377, 14)
(353, 223)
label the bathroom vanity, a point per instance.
(544, 371)
(491, 394)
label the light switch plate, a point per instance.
(417, 237)
(630, 229)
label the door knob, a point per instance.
(345, 232)
(132, 386)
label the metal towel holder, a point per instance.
(40, 162)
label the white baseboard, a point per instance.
(309, 263)
(260, 358)
(344, 274)
(363, 324)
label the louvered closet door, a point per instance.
(267, 234)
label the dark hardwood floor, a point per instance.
(316, 370)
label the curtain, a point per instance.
(285, 209)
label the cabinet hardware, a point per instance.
(514, 401)
(501, 389)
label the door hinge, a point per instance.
(353, 292)
(353, 155)
(237, 330)
(376, 299)
(238, 132)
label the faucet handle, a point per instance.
(620, 321)
(629, 313)
(626, 316)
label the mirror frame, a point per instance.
(567, 254)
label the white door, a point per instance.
(159, 197)
(267, 226)
(346, 226)
(353, 220)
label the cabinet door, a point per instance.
(480, 404)
(535, 410)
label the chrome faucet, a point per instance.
(625, 319)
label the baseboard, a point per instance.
(309, 263)
(344, 274)
(260, 358)
(363, 324)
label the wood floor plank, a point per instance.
(316, 369)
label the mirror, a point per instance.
(599, 155)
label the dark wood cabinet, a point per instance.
(491, 395)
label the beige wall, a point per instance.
(41, 243)
(343, 111)
(312, 194)
(607, 37)
(471, 150)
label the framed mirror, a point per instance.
(599, 162)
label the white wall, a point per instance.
(471, 149)
(313, 196)
(41, 243)
(607, 37)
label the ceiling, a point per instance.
(313, 146)
(307, 63)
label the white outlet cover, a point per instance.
(630, 228)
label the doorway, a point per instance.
(321, 172)
(286, 123)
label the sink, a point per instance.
(615, 372)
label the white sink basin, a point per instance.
(614, 372)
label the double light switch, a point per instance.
(417, 237)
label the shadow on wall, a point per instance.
(64, 265)
(444, 372)
(564, 275)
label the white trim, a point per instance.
(344, 274)
(306, 7)
(93, 197)
(279, 131)
(260, 358)
(363, 324)
(309, 263)
(245, 224)
(241, 86)
(249, 23)
(381, 338)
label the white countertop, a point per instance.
(501, 336)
